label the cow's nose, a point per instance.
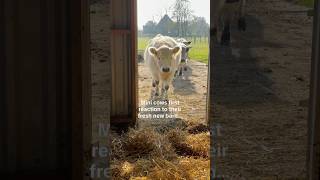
(165, 69)
(183, 60)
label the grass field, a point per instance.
(308, 3)
(198, 52)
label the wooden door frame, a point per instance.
(80, 87)
(313, 157)
(130, 119)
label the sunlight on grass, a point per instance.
(198, 52)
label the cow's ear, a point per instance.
(176, 50)
(153, 51)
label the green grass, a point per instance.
(307, 3)
(198, 52)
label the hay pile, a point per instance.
(149, 154)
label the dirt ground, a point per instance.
(260, 88)
(187, 92)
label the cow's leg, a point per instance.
(185, 66)
(155, 85)
(164, 89)
(180, 70)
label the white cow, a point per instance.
(185, 47)
(162, 56)
(225, 10)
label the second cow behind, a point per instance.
(162, 56)
(185, 47)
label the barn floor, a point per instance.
(260, 98)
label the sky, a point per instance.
(153, 9)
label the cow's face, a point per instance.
(165, 57)
(184, 53)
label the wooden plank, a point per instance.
(10, 123)
(2, 90)
(134, 63)
(119, 75)
(49, 59)
(81, 87)
(210, 93)
(124, 62)
(120, 31)
(36, 71)
(313, 162)
(63, 121)
(113, 68)
(121, 120)
(126, 74)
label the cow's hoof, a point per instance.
(166, 87)
(156, 94)
(185, 69)
(242, 25)
(180, 73)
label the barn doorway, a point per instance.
(159, 119)
(188, 23)
(128, 44)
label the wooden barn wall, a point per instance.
(2, 91)
(44, 80)
(314, 115)
(36, 124)
(100, 37)
(80, 74)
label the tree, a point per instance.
(149, 28)
(182, 13)
(199, 27)
(166, 26)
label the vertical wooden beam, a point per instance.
(80, 87)
(2, 89)
(210, 93)
(313, 161)
(134, 78)
(10, 85)
(124, 27)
